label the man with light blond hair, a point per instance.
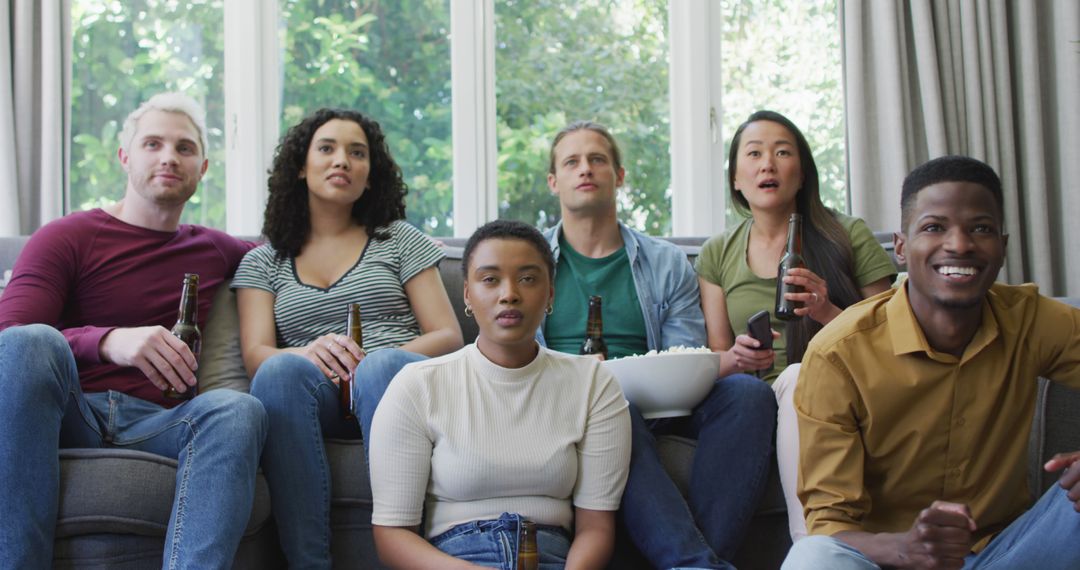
(86, 354)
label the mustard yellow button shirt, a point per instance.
(888, 425)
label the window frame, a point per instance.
(252, 108)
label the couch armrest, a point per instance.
(1055, 428)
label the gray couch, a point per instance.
(115, 504)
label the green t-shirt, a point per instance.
(722, 261)
(576, 278)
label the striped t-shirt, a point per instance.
(304, 312)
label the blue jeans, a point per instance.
(734, 428)
(494, 543)
(1043, 537)
(303, 407)
(216, 439)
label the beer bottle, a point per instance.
(528, 555)
(785, 308)
(345, 384)
(594, 330)
(187, 329)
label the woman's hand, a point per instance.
(403, 547)
(749, 355)
(815, 295)
(335, 354)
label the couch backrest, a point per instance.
(450, 271)
(1057, 420)
(9, 252)
(1056, 427)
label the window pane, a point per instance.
(391, 61)
(122, 54)
(785, 57)
(560, 61)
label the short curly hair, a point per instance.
(287, 222)
(509, 229)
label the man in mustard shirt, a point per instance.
(913, 405)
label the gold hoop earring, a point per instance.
(468, 311)
(550, 309)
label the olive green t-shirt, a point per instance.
(722, 261)
(576, 278)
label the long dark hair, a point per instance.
(826, 245)
(287, 223)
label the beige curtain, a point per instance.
(35, 75)
(998, 80)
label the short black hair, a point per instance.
(950, 168)
(509, 229)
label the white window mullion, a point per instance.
(697, 161)
(472, 73)
(252, 105)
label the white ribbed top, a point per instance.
(465, 439)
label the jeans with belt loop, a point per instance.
(494, 543)
(216, 439)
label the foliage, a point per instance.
(367, 56)
(122, 54)
(785, 56)
(556, 61)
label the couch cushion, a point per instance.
(454, 282)
(350, 518)
(124, 491)
(221, 364)
(348, 471)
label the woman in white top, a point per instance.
(466, 446)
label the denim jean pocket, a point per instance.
(478, 546)
(553, 544)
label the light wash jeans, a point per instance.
(216, 438)
(734, 428)
(303, 408)
(1046, 536)
(494, 543)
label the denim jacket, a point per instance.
(667, 288)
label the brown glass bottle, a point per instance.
(187, 329)
(345, 384)
(594, 329)
(785, 308)
(528, 554)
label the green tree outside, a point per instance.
(122, 54)
(784, 56)
(391, 61)
(606, 61)
(556, 62)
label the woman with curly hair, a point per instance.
(337, 235)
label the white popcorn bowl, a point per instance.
(668, 384)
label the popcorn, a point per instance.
(675, 349)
